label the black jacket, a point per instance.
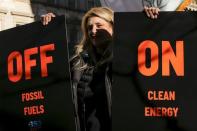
(92, 90)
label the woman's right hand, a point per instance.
(152, 12)
(47, 18)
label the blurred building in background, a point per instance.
(19, 12)
(14, 13)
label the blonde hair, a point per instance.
(101, 12)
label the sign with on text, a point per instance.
(154, 72)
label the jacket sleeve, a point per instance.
(155, 3)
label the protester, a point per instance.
(91, 70)
(152, 10)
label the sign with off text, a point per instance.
(35, 91)
(154, 72)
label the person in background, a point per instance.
(91, 70)
(154, 6)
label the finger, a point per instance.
(49, 18)
(155, 16)
(52, 15)
(151, 13)
(157, 11)
(146, 11)
(153, 10)
(44, 20)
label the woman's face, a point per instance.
(100, 31)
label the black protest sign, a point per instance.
(154, 72)
(35, 91)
